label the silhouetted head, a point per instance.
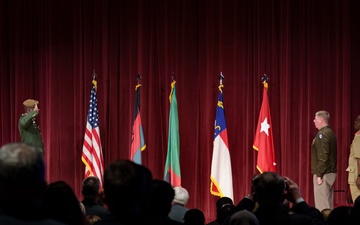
(127, 189)
(339, 215)
(269, 189)
(243, 217)
(22, 181)
(61, 204)
(224, 208)
(90, 187)
(161, 198)
(194, 217)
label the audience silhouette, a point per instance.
(194, 217)
(127, 190)
(269, 191)
(178, 208)
(92, 201)
(132, 197)
(22, 185)
(224, 209)
(161, 199)
(243, 217)
(60, 203)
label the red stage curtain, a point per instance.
(308, 49)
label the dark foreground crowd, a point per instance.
(132, 196)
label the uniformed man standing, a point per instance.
(354, 162)
(28, 126)
(323, 162)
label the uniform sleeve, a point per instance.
(26, 120)
(323, 148)
(356, 146)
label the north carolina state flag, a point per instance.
(263, 142)
(221, 174)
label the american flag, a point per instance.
(92, 155)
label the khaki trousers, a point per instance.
(355, 192)
(324, 193)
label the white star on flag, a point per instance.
(264, 144)
(265, 127)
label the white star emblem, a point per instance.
(265, 127)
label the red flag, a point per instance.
(92, 155)
(263, 142)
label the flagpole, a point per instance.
(94, 82)
(264, 81)
(221, 78)
(173, 82)
(94, 75)
(138, 78)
